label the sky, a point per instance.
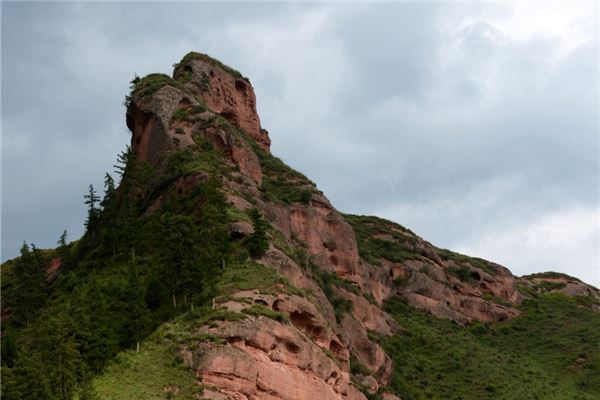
(475, 125)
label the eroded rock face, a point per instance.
(157, 132)
(307, 355)
(453, 300)
(367, 351)
(148, 121)
(229, 95)
(52, 269)
(330, 241)
(563, 284)
(269, 360)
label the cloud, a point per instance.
(474, 125)
(540, 245)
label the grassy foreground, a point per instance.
(551, 351)
(155, 372)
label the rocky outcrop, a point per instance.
(172, 119)
(288, 346)
(52, 269)
(562, 283)
(224, 91)
(264, 359)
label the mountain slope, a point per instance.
(237, 279)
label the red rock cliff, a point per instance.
(209, 104)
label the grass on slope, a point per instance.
(373, 249)
(551, 351)
(153, 373)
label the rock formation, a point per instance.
(307, 353)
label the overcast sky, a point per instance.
(476, 126)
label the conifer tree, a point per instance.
(48, 365)
(62, 240)
(258, 243)
(29, 294)
(109, 190)
(124, 160)
(91, 223)
(109, 214)
(137, 311)
(180, 239)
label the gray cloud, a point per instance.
(474, 125)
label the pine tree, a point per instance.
(109, 190)
(93, 219)
(62, 241)
(96, 326)
(179, 236)
(125, 159)
(258, 243)
(29, 294)
(109, 215)
(48, 365)
(137, 311)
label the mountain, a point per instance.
(215, 271)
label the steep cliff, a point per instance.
(296, 300)
(370, 260)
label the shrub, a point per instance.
(258, 309)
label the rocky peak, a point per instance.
(344, 262)
(223, 90)
(204, 101)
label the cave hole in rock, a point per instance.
(185, 102)
(234, 339)
(187, 70)
(335, 348)
(305, 322)
(475, 275)
(292, 347)
(240, 86)
(230, 117)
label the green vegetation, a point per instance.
(154, 372)
(401, 244)
(328, 282)
(188, 114)
(358, 368)
(400, 247)
(552, 274)
(548, 286)
(208, 59)
(463, 273)
(145, 87)
(132, 271)
(250, 275)
(133, 291)
(281, 184)
(157, 370)
(258, 242)
(461, 260)
(549, 352)
(258, 310)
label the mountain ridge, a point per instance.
(261, 286)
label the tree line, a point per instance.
(132, 270)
